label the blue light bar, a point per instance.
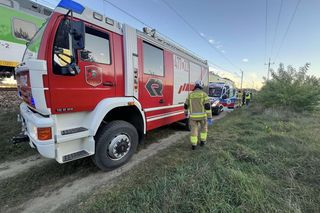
(33, 102)
(71, 5)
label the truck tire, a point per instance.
(116, 142)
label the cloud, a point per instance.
(211, 41)
(202, 34)
(219, 46)
(245, 60)
(223, 51)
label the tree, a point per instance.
(292, 89)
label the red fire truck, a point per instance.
(93, 87)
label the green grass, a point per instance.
(257, 161)
(43, 179)
(9, 127)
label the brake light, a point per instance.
(44, 133)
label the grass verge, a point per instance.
(49, 177)
(255, 161)
(9, 127)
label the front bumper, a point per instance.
(30, 122)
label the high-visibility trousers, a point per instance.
(196, 127)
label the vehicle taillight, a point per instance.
(44, 133)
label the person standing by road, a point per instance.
(248, 99)
(239, 99)
(243, 98)
(198, 107)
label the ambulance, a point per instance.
(222, 96)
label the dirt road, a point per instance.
(10, 169)
(55, 199)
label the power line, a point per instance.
(143, 23)
(277, 26)
(288, 28)
(128, 14)
(147, 25)
(199, 34)
(265, 31)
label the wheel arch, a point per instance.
(126, 108)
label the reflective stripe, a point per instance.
(196, 95)
(203, 136)
(198, 115)
(208, 111)
(194, 140)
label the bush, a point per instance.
(291, 89)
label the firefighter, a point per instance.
(198, 108)
(239, 98)
(248, 98)
(243, 98)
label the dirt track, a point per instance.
(10, 169)
(53, 200)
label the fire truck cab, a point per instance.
(93, 87)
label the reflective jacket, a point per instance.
(248, 96)
(198, 105)
(239, 95)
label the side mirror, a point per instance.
(78, 35)
(78, 43)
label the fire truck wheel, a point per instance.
(116, 142)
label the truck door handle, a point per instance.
(108, 84)
(161, 101)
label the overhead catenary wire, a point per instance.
(147, 25)
(266, 31)
(288, 28)
(166, 37)
(199, 34)
(277, 26)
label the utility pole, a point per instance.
(241, 79)
(269, 64)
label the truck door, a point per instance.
(96, 80)
(156, 76)
(95, 61)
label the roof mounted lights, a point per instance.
(97, 16)
(71, 5)
(150, 32)
(109, 21)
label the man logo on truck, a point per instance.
(154, 87)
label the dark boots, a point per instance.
(202, 143)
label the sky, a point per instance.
(232, 34)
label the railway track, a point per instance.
(8, 88)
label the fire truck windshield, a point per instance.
(215, 92)
(33, 46)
